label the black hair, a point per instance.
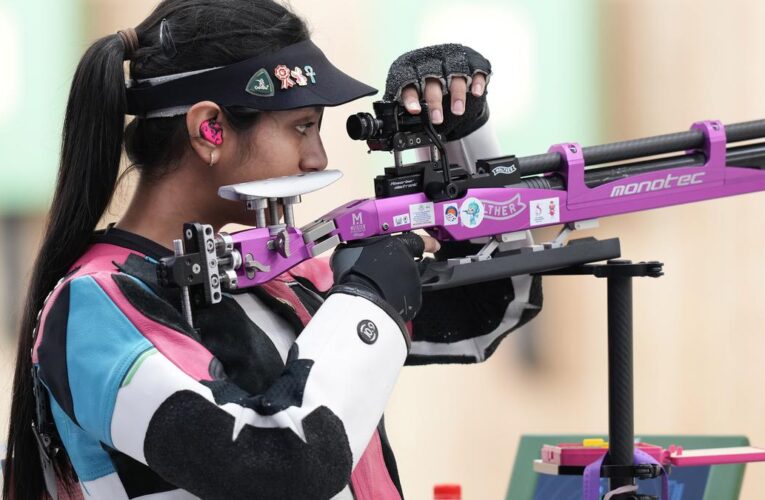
(205, 34)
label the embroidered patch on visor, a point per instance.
(261, 84)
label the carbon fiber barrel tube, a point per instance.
(649, 146)
(751, 155)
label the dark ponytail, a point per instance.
(90, 157)
(206, 33)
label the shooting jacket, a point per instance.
(274, 394)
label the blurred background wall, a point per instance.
(588, 71)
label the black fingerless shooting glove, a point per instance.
(381, 269)
(443, 62)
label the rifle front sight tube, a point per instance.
(639, 148)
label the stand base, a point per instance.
(644, 472)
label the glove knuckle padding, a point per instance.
(476, 62)
(429, 68)
(413, 243)
(442, 62)
(456, 62)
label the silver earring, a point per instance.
(212, 157)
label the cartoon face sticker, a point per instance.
(471, 212)
(451, 215)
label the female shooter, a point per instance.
(276, 392)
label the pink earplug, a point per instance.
(212, 132)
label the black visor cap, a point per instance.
(297, 76)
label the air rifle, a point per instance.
(495, 201)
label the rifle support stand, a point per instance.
(621, 434)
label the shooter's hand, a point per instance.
(381, 269)
(443, 74)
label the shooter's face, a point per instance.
(285, 143)
(282, 143)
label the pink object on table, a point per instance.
(576, 454)
(715, 456)
(579, 455)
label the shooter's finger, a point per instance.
(434, 97)
(432, 245)
(479, 84)
(411, 99)
(458, 91)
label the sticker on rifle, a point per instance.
(471, 212)
(545, 211)
(451, 214)
(422, 214)
(401, 220)
(358, 228)
(503, 210)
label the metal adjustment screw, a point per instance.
(385, 226)
(258, 205)
(249, 268)
(288, 203)
(189, 234)
(283, 243)
(236, 260)
(214, 281)
(224, 243)
(572, 148)
(229, 279)
(196, 269)
(273, 211)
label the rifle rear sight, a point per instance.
(394, 129)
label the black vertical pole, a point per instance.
(621, 434)
(621, 414)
